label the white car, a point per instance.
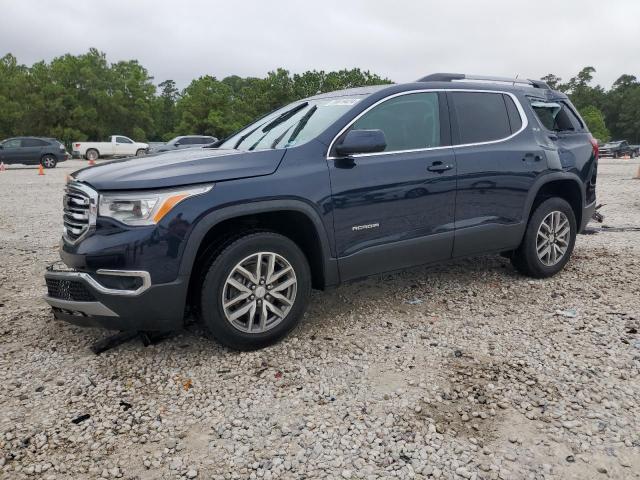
(118, 146)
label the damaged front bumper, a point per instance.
(114, 299)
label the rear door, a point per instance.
(498, 161)
(32, 149)
(394, 209)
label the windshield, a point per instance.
(292, 125)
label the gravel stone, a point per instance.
(369, 386)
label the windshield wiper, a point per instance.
(245, 136)
(302, 123)
(296, 131)
(283, 117)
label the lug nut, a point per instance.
(253, 287)
(252, 297)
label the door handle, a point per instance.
(439, 167)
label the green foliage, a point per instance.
(83, 97)
(595, 121)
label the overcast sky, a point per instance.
(400, 39)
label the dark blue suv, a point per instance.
(329, 189)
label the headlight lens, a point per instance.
(144, 208)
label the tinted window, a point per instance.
(514, 116)
(482, 117)
(13, 143)
(123, 140)
(33, 142)
(409, 121)
(184, 141)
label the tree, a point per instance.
(595, 122)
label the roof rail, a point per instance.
(450, 77)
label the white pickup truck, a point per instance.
(118, 146)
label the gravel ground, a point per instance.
(460, 371)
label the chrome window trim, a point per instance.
(144, 275)
(92, 211)
(521, 112)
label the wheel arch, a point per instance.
(303, 226)
(560, 184)
(91, 148)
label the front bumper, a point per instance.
(80, 298)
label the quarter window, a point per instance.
(556, 116)
(409, 122)
(482, 117)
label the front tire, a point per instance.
(48, 161)
(140, 152)
(255, 291)
(548, 240)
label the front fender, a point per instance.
(205, 224)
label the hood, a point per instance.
(180, 167)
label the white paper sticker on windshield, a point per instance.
(341, 102)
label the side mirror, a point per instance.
(362, 141)
(177, 144)
(1, 146)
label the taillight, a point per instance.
(77, 145)
(596, 148)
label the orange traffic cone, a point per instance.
(637, 177)
(92, 161)
(40, 170)
(2, 167)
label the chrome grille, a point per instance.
(79, 206)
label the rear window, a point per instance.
(556, 116)
(482, 117)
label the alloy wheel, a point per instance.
(259, 292)
(552, 240)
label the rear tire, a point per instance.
(547, 244)
(92, 154)
(48, 161)
(245, 311)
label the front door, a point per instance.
(124, 146)
(395, 208)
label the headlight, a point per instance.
(144, 208)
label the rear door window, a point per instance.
(33, 142)
(515, 121)
(409, 122)
(481, 116)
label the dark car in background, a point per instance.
(185, 141)
(617, 149)
(33, 151)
